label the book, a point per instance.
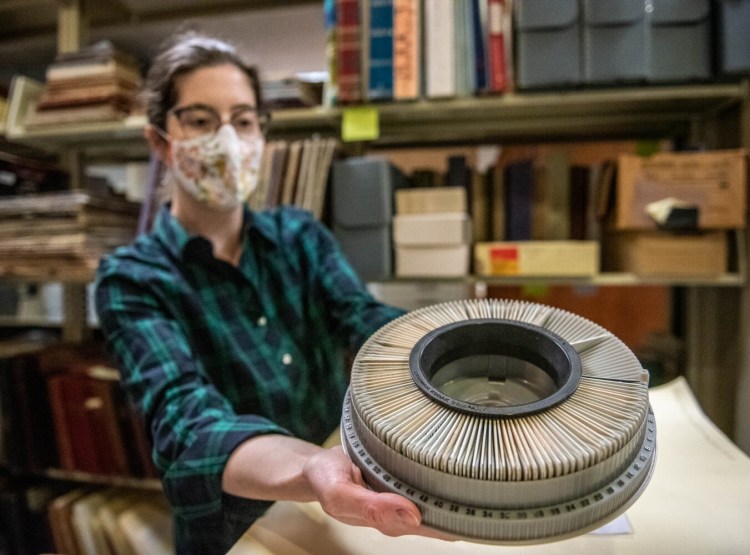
(65, 202)
(407, 51)
(519, 191)
(499, 45)
(89, 532)
(291, 174)
(480, 41)
(551, 196)
(59, 513)
(106, 112)
(87, 425)
(21, 175)
(89, 409)
(439, 44)
(480, 207)
(108, 513)
(380, 81)
(496, 179)
(348, 51)
(321, 178)
(464, 58)
(579, 202)
(147, 526)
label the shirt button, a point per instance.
(262, 321)
(286, 359)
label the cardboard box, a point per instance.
(659, 253)
(715, 181)
(429, 200)
(537, 258)
(446, 228)
(437, 261)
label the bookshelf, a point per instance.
(714, 114)
(644, 112)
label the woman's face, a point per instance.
(216, 141)
(225, 88)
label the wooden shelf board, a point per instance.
(603, 279)
(636, 111)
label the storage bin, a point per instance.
(615, 34)
(734, 36)
(547, 43)
(680, 47)
(362, 211)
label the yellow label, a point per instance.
(360, 123)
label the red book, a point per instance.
(88, 424)
(348, 35)
(499, 39)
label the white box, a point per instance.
(437, 261)
(441, 229)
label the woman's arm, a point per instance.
(276, 467)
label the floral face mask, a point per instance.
(220, 169)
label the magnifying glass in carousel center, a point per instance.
(505, 422)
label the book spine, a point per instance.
(480, 36)
(380, 83)
(519, 193)
(497, 55)
(439, 54)
(406, 49)
(348, 51)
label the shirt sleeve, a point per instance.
(193, 427)
(353, 309)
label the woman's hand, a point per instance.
(338, 485)
(276, 467)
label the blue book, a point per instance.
(479, 36)
(380, 83)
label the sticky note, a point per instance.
(360, 123)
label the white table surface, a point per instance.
(697, 502)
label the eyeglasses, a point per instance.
(196, 120)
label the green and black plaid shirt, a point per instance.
(213, 355)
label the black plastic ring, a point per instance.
(509, 338)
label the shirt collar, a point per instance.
(175, 238)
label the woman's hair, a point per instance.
(183, 53)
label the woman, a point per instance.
(230, 327)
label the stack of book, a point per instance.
(295, 173)
(62, 235)
(95, 84)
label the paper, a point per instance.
(361, 123)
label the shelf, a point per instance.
(121, 481)
(635, 112)
(642, 112)
(603, 279)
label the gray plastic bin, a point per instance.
(615, 35)
(362, 210)
(734, 36)
(547, 43)
(680, 46)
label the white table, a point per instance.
(698, 502)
